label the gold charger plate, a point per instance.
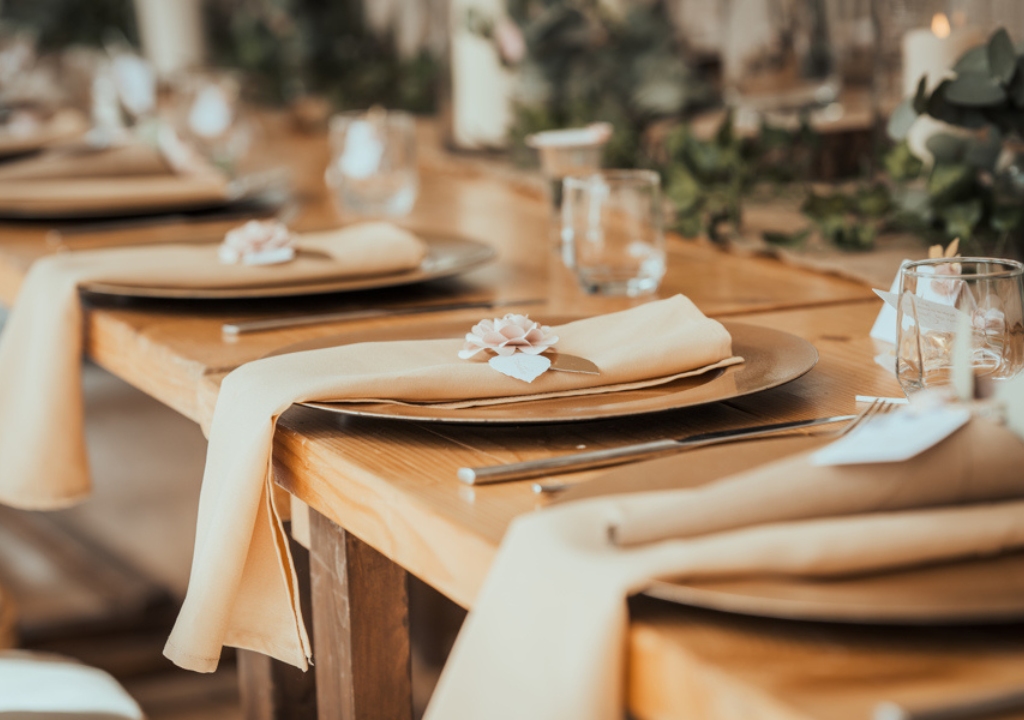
(982, 591)
(977, 591)
(446, 256)
(772, 358)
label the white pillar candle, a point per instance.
(481, 86)
(933, 51)
(171, 33)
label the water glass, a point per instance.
(938, 296)
(612, 231)
(373, 162)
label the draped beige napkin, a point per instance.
(80, 161)
(42, 451)
(546, 637)
(242, 590)
(77, 179)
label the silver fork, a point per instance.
(879, 406)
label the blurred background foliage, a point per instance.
(59, 23)
(292, 47)
(284, 48)
(586, 64)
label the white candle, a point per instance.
(481, 87)
(172, 33)
(933, 51)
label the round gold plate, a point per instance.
(772, 357)
(446, 256)
(982, 591)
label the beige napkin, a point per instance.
(42, 452)
(242, 590)
(546, 637)
(135, 159)
(77, 179)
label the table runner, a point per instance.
(242, 589)
(546, 637)
(42, 450)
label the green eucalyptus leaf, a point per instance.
(947, 148)
(1005, 120)
(920, 102)
(1007, 218)
(1002, 59)
(948, 182)
(689, 226)
(786, 239)
(962, 218)
(1016, 88)
(983, 152)
(901, 163)
(1002, 56)
(860, 237)
(821, 207)
(940, 109)
(683, 189)
(725, 135)
(975, 90)
(901, 119)
(874, 201)
(974, 60)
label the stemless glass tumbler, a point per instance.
(373, 163)
(939, 296)
(612, 231)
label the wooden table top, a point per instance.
(393, 484)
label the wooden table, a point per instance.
(392, 486)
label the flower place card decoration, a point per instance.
(517, 343)
(266, 242)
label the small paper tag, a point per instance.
(895, 437)
(520, 366)
(884, 328)
(931, 315)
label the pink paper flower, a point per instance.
(507, 336)
(265, 242)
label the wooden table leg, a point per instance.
(360, 628)
(273, 690)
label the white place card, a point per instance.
(932, 315)
(895, 437)
(884, 328)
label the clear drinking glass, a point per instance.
(373, 162)
(936, 296)
(612, 231)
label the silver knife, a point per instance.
(626, 453)
(250, 326)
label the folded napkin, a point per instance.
(79, 179)
(546, 637)
(242, 590)
(135, 159)
(42, 451)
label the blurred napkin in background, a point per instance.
(83, 161)
(42, 451)
(546, 637)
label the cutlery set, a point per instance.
(589, 460)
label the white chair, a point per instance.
(50, 687)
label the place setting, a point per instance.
(542, 362)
